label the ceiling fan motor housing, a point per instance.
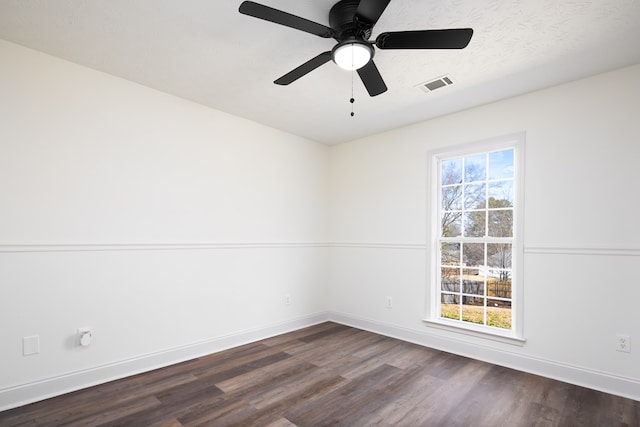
(350, 32)
(343, 21)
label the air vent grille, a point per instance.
(437, 83)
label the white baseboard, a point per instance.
(23, 394)
(601, 381)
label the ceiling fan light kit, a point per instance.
(351, 24)
(352, 55)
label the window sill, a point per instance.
(479, 332)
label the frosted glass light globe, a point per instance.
(352, 56)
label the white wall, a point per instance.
(582, 234)
(174, 230)
(167, 227)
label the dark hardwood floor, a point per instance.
(331, 374)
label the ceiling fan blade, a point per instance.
(457, 38)
(369, 11)
(283, 18)
(305, 68)
(372, 79)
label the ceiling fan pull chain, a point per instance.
(352, 100)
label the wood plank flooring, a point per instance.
(330, 374)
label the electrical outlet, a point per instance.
(389, 302)
(287, 299)
(623, 343)
(30, 345)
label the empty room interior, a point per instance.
(450, 223)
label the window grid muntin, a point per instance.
(463, 238)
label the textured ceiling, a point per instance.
(205, 51)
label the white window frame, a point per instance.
(433, 319)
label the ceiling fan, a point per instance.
(351, 22)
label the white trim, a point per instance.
(12, 397)
(479, 331)
(97, 247)
(515, 141)
(369, 245)
(582, 251)
(117, 247)
(572, 374)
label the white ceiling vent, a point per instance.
(434, 84)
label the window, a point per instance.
(475, 237)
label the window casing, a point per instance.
(475, 237)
